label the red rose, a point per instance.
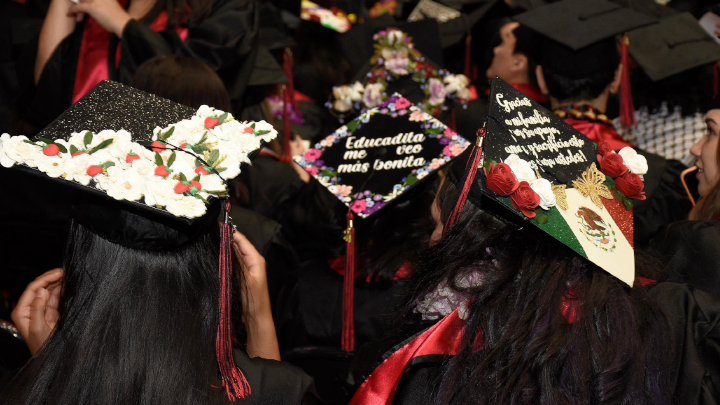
(248, 130)
(612, 165)
(201, 170)
(94, 170)
(501, 180)
(631, 185)
(604, 148)
(525, 199)
(51, 150)
(162, 171)
(129, 158)
(180, 188)
(158, 146)
(211, 122)
(78, 153)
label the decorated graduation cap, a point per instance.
(149, 174)
(334, 19)
(374, 159)
(546, 174)
(581, 40)
(676, 44)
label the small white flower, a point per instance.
(395, 36)
(343, 100)
(634, 161)
(356, 92)
(125, 184)
(520, 168)
(543, 188)
(189, 207)
(206, 111)
(53, 166)
(19, 151)
(373, 95)
(159, 191)
(212, 182)
(5, 161)
(455, 83)
(76, 168)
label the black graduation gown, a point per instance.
(690, 252)
(225, 40)
(694, 317)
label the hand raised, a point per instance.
(108, 13)
(36, 312)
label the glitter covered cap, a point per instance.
(546, 174)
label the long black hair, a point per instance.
(690, 90)
(135, 327)
(613, 348)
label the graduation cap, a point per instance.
(581, 40)
(432, 9)
(531, 168)
(676, 44)
(373, 160)
(335, 20)
(148, 174)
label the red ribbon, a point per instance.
(348, 313)
(627, 109)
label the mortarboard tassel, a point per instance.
(627, 109)
(470, 171)
(288, 100)
(232, 376)
(716, 79)
(348, 327)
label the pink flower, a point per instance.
(402, 103)
(343, 190)
(436, 163)
(437, 92)
(312, 170)
(312, 154)
(358, 205)
(449, 132)
(397, 62)
(373, 95)
(418, 116)
(328, 141)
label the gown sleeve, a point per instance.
(225, 40)
(694, 317)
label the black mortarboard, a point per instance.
(581, 34)
(676, 44)
(146, 171)
(267, 70)
(376, 157)
(535, 170)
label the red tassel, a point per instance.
(471, 170)
(468, 56)
(288, 100)
(348, 327)
(233, 378)
(627, 109)
(716, 79)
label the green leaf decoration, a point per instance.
(61, 148)
(73, 149)
(158, 159)
(31, 143)
(352, 126)
(203, 139)
(609, 182)
(411, 179)
(252, 126)
(541, 217)
(198, 196)
(219, 193)
(47, 141)
(106, 165)
(196, 178)
(200, 148)
(626, 201)
(222, 118)
(171, 159)
(182, 177)
(328, 173)
(198, 163)
(434, 131)
(263, 132)
(220, 169)
(102, 145)
(166, 135)
(214, 156)
(87, 140)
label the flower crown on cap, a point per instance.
(187, 163)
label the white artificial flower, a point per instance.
(5, 161)
(373, 95)
(18, 150)
(634, 161)
(396, 62)
(206, 111)
(189, 207)
(356, 91)
(395, 37)
(455, 83)
(463, 93)
(520, 168)
(76, 168)
(159, 191)
(343, 100)
(125, 184)
(543, 188)
(212, 182)
(121, 145)
(437, 92)
(53, 166)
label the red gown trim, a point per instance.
(338, 265)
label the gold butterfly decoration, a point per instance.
(591, 184)
(560, 196)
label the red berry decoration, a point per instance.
(196, 184)
(157, 146)
(94, 170)
(78, 153)
(180, 187)
(248, 130)
(211, 122)
(183, 145)
(201, 170)
(51, 150)
(162, 171)
(130, 158)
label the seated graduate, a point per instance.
(579, 70)
(529, 292)
(689, 249)
(144, 304)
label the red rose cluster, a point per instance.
(613, 166)
(502, 181)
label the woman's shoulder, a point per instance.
(274, 382)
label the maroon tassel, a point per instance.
(288, 100)
(233, 378)
(348, 327)
(627, 109)
(468, 56)
(470, 170)
(716, 79)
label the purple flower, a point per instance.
(444, 141)
(377, 197)
(318, 163)
(437, 92)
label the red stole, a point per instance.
(93, 64)
(598, 132)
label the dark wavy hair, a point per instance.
(586, 88)
(617, 351)
(135, 327)
(690, 90)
